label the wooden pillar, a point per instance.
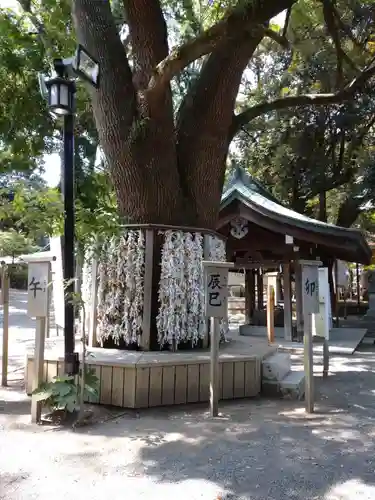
(206, 256)
(287, 303)
(36, 406)
(147, 290)
(299, 305)
(358, 287)
(278, 294)
(337, 293)
(249, 295)
(271, 314)
(256, 282)
(260, 290)
(252, 295)
(273, 280)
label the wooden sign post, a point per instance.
(271, 314)
(37, 307)
(310, 301)
(4, 301)
(216, 300)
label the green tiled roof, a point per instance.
(243, 187)
(246, 184)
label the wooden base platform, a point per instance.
(149, 379)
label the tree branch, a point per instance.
(149, 37)
(235, 23)
(280, 39)
(114, 103)
(26, 7)
(340, 53)
(346, 93)
(286, 23)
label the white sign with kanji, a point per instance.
(310, 288)
(37, 293)
(216, 291)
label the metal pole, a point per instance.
(308, 361)
(70, 357)
(214, 367)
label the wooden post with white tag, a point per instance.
(216, 302)
(310, 301)
(37, 307)
(271, 314)
(4, 301)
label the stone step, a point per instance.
(370, 340)
(291, 387)
(276, 367)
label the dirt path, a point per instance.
(258, 449)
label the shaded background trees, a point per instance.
(319, 161)
(176, 137)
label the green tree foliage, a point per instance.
(25, 129)
(293, 144)
(13, 243)
(318, 160)
(29, 39)
(34, 209)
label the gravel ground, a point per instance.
(257, 449)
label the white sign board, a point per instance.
(310, 288)
(322, 322)
(343, 274)
(37, 293)
(58, 281)
(216, 291)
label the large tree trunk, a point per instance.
(164, 172)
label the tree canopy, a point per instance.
(322, 154)
(179, 80)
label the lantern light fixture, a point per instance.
(60, 91)
(60, 94)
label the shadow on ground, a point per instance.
(258, 449)
(265, 449)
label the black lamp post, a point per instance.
(61, 92)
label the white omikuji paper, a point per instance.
(37, 293)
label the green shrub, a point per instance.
(63, 392)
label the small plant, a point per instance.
(63, 393)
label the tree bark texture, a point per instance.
(166, 170)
